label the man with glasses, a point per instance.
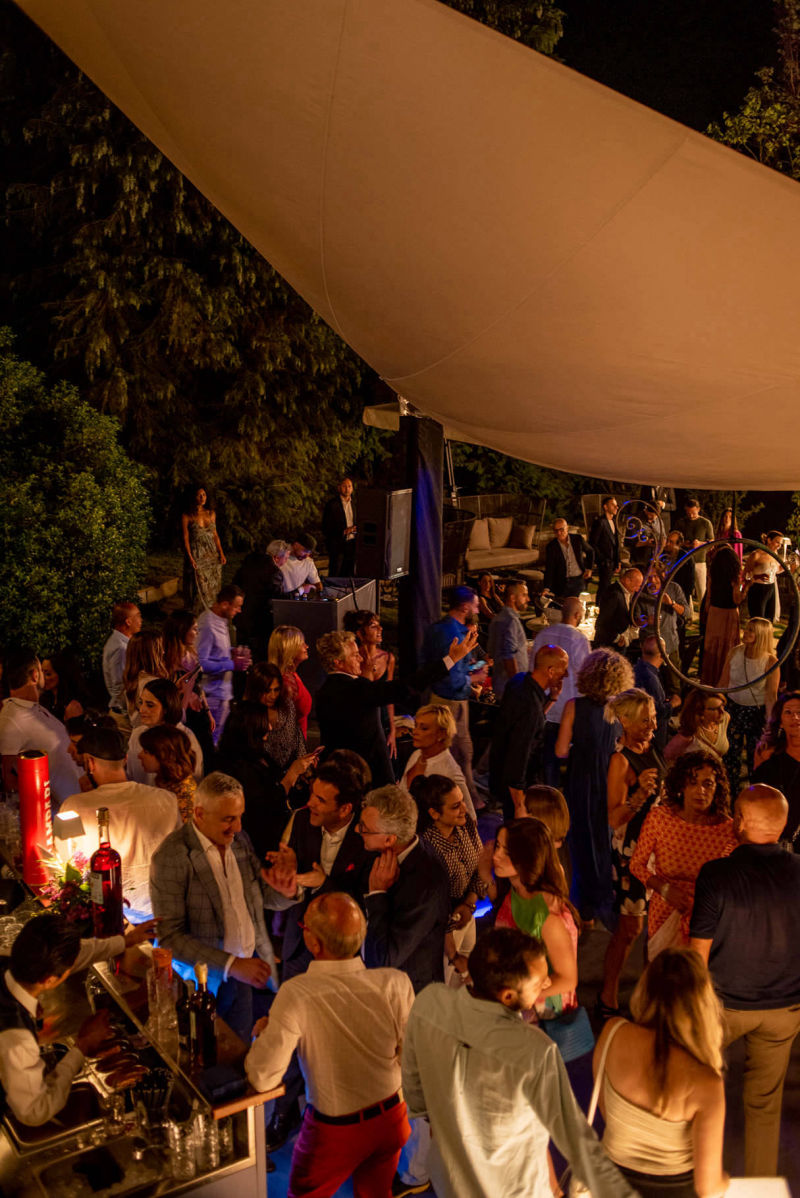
(347, 1024)
(408, 894)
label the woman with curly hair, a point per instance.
(692, 825)
(287, 649)
(778, 759)
(703, 725)
(284, 741)
(167, 752)
(376, 662)
(588, 741)
(661, 1092)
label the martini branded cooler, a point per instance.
(35, 819)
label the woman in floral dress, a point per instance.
(204, 559)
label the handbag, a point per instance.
(577, 1189)
(571, 1031)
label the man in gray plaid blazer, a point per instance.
(209, 891)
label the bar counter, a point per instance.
(172, 1130)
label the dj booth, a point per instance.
(321, 613)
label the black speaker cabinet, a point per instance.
(383, 537)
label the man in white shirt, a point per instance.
(209, 890)
(567, 636)
(493, 1088)
(214, 652)
(126, 619)
(44, 953)
(299, 572)
(25, 724)
(339, 530)
(347, 1024)
(140, 817)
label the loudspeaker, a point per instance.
(383, 536)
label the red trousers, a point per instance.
(326, 1154)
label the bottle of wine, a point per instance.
(105, 883)
(204, 1006)
(186, 1016)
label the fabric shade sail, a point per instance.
(543, 265)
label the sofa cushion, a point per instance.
(499, 531)
(479, 537)
(522, 536)
(490, 559)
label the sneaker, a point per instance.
(400, 1187)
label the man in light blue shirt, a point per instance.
(493, 1088)
(216, 656)
(507, 643)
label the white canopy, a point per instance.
(543, 265)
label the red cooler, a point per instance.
(35, 819)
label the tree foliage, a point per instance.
(75, 513)
(538, 25)
(119, 275)
(767, 125)
(128, 279)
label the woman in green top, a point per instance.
(537, 903)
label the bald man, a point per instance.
(744, 924)
(516, 756)
(568, 636)
(347, 1024)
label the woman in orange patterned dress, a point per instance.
(692, 825)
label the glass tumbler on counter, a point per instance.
(180, 1139)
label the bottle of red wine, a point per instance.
(105, 883)
(203, 1005)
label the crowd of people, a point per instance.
(395, 928)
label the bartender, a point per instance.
(45, 952)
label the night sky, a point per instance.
(690, 59)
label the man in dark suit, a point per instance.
(348, 705)
(605, 543)
(329, 855)
(339, 530)
(261, 578)
(614, 627)
(568, 562)
(516, 755)
(408, 893)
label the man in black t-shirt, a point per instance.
(744, 924)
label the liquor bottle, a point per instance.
(186, 1017)
(204, 1006)
(105, 883)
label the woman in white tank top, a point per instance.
(662, 1094)
(749, 708)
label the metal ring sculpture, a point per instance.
(795, 621)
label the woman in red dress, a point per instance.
(287, 649)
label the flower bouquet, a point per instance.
(67, 892)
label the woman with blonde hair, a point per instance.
(635, 773)
(287, 649)
(660, 1082)
(588, 741)
(144, 660)
(434, 731)
(751, 707)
